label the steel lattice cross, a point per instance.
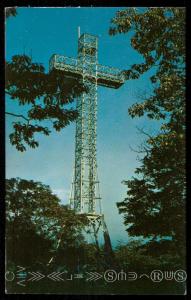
(85, 197)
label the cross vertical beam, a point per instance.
(85, 151)
(87, 70)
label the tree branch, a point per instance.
(137, 151)
(147, 134)
(8, 93)
(143, 132)
(15, 115)
(146, 150)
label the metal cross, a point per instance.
(85, 198)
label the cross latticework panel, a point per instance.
(85, 198)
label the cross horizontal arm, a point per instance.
(105, 75)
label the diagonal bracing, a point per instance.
(85, 197)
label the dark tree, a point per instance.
(155, 202)
(45, 95)
(44, 98)
(36, 221)
(10, 12)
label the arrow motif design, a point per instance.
(21, 275)
(55, 276)
(36, 276)
(93, 276)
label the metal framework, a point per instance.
(85, 198)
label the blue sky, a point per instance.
(46, 31)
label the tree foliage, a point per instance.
(146, 257)
(43, 233)
(36, 221)
(155, 202)
(43, 95)
(10, 12)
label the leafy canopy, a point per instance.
(35, 219)
(10, 12)
(155, 202)
(45, 95)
